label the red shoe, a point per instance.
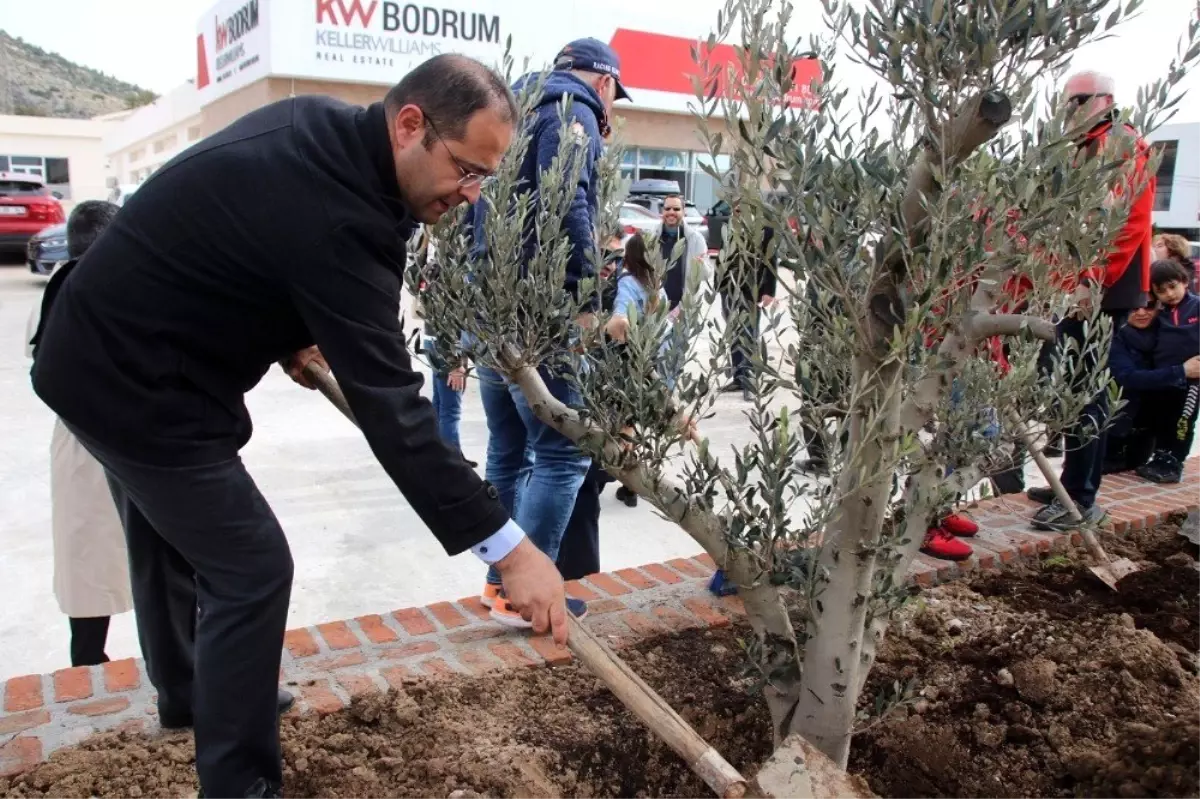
(940, 543)
(960, 525)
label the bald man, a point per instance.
(1123, 273)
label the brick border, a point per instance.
(328, 664)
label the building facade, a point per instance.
(1177, 201)
(254, 52)
(153, 134)
(68, 154)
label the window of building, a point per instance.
(704, 186)
(166, 142)
(137, 154)
(1166, 174)
(193, 133)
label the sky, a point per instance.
(152, 42)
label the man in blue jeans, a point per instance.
(536, 470)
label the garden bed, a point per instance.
(1039, 681)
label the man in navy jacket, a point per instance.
(537, 470)
(283, 231)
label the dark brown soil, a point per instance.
(1034, 683)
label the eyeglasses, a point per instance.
(675, 210)
(469, 178)
(1076, 100)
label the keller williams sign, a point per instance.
(377, 41)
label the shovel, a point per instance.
(633, 692)
(1110, 571)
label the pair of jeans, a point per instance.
(1083, 460)
(536, 470)
(447, 402)
(211, 574)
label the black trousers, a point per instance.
(1173, 418)
(1083, 460)
(579, 553)
(205, 537)
(746, 339)
(88, 636)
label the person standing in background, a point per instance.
(91, 564)
(680, 263)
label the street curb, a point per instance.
(326, 665)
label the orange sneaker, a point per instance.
(488, 597)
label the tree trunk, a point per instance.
(831, 681)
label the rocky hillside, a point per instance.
(34, 82)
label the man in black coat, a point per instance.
(748, 284)
(281, 234)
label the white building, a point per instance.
(1177, 202)
(69, 154)
(153, 134)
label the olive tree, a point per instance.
(920, 228)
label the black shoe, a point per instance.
(1162, 468)
(731, 387)
(181, 721)
(747, 396)
(817, 466)
(1042, 495)
(630, 498)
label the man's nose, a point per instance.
(471, 192)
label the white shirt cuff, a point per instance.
(497, 545)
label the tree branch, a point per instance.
(984, 326)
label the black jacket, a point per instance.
(752, 274)
(283, 230)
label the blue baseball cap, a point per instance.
(592, 55)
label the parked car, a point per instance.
(26, 207)
(636, 219)
(715, 221)
(47, 249)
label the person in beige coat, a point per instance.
(91, 566)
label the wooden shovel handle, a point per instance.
(633, 692)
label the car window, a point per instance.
(19, 188)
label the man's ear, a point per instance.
(408, 125)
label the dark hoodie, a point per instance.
(587, 110)
(1179, 332)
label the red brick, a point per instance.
(72, 684)
(410, 650)
(475, 605)
(357, 684)
(733, 604)
(437, 667)
(478, 661)
(376, 631)
(925, 577)
(1120, 526)
(300, 643)
(672, 619)
(636, 579)
(662, 573)
(706, 612)
(131, 727)
(553, 654)
(642, 625)
(20, 722)
(705, 560)
(101, 707)
(511, 654)
(414, 621)
(121, 675)
(601, 606)
(578, 590)
(476, 634)
(397, 676)
(20, 754)
(686, 567)
(447, 615)
(338, 635)
(984, 560)
(320, 698)
(23, 693)
(607, 584)
(339, 662)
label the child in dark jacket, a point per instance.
(1172, 410)
(1131, 361)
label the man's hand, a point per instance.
(1191, 367)
(457, 379)
(294, 365)
(535, 589)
